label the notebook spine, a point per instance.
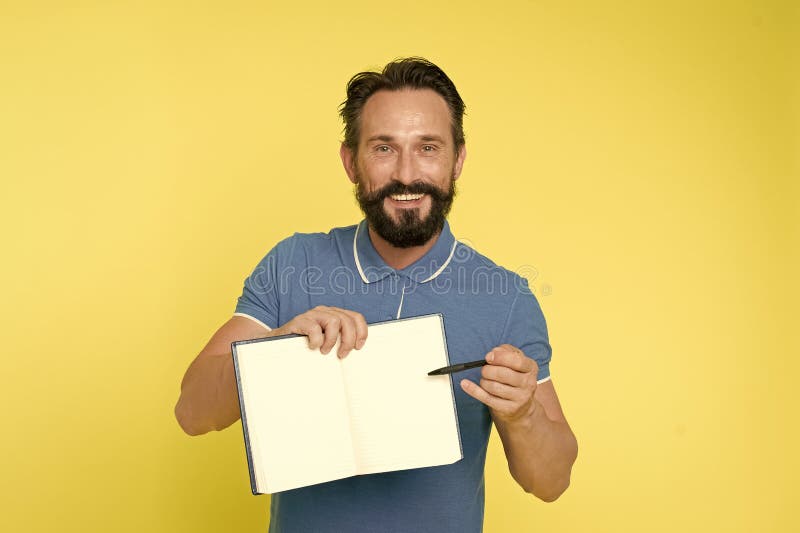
(248, 449)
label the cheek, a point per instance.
(438, 167)
(376, 177)
(375, 170)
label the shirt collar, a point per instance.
(371, 266)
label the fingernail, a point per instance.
(490, 357)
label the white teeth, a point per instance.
(406, 197)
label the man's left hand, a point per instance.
(507, 384)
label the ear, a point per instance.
(459, 164)
(348, 161)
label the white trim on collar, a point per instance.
(432, 276)
(441, 268)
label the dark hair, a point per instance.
(405, 73)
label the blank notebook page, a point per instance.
(401, 417)
(298, 423)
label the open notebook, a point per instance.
(310, 418)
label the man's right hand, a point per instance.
(209, 399)
(325, 325)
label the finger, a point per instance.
(309, 327)
(511, 357)
(501, 390)
(330, 325)
(347, 334)
(503, 374)
(361, 327)
(484, 397)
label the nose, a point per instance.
(406, 171)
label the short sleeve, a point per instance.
(259, 298)
(527, 330)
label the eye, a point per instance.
(428, 148)
(382, 148)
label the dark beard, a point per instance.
(410, 230)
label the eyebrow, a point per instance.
(388, 138)
(381, 138)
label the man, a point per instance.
(403, 149)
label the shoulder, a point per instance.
(315, 240)
(300, 247)
(484, 275)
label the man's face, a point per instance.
(406, 165)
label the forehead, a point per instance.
(405, 112)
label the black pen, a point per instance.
(457, 368)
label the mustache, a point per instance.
(396, 187)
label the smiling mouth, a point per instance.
(405, 197)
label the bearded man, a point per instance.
(403, 149)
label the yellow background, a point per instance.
(637, 160)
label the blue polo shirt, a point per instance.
(483, 306)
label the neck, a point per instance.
(399, 258)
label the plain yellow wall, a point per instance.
(637, 160)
